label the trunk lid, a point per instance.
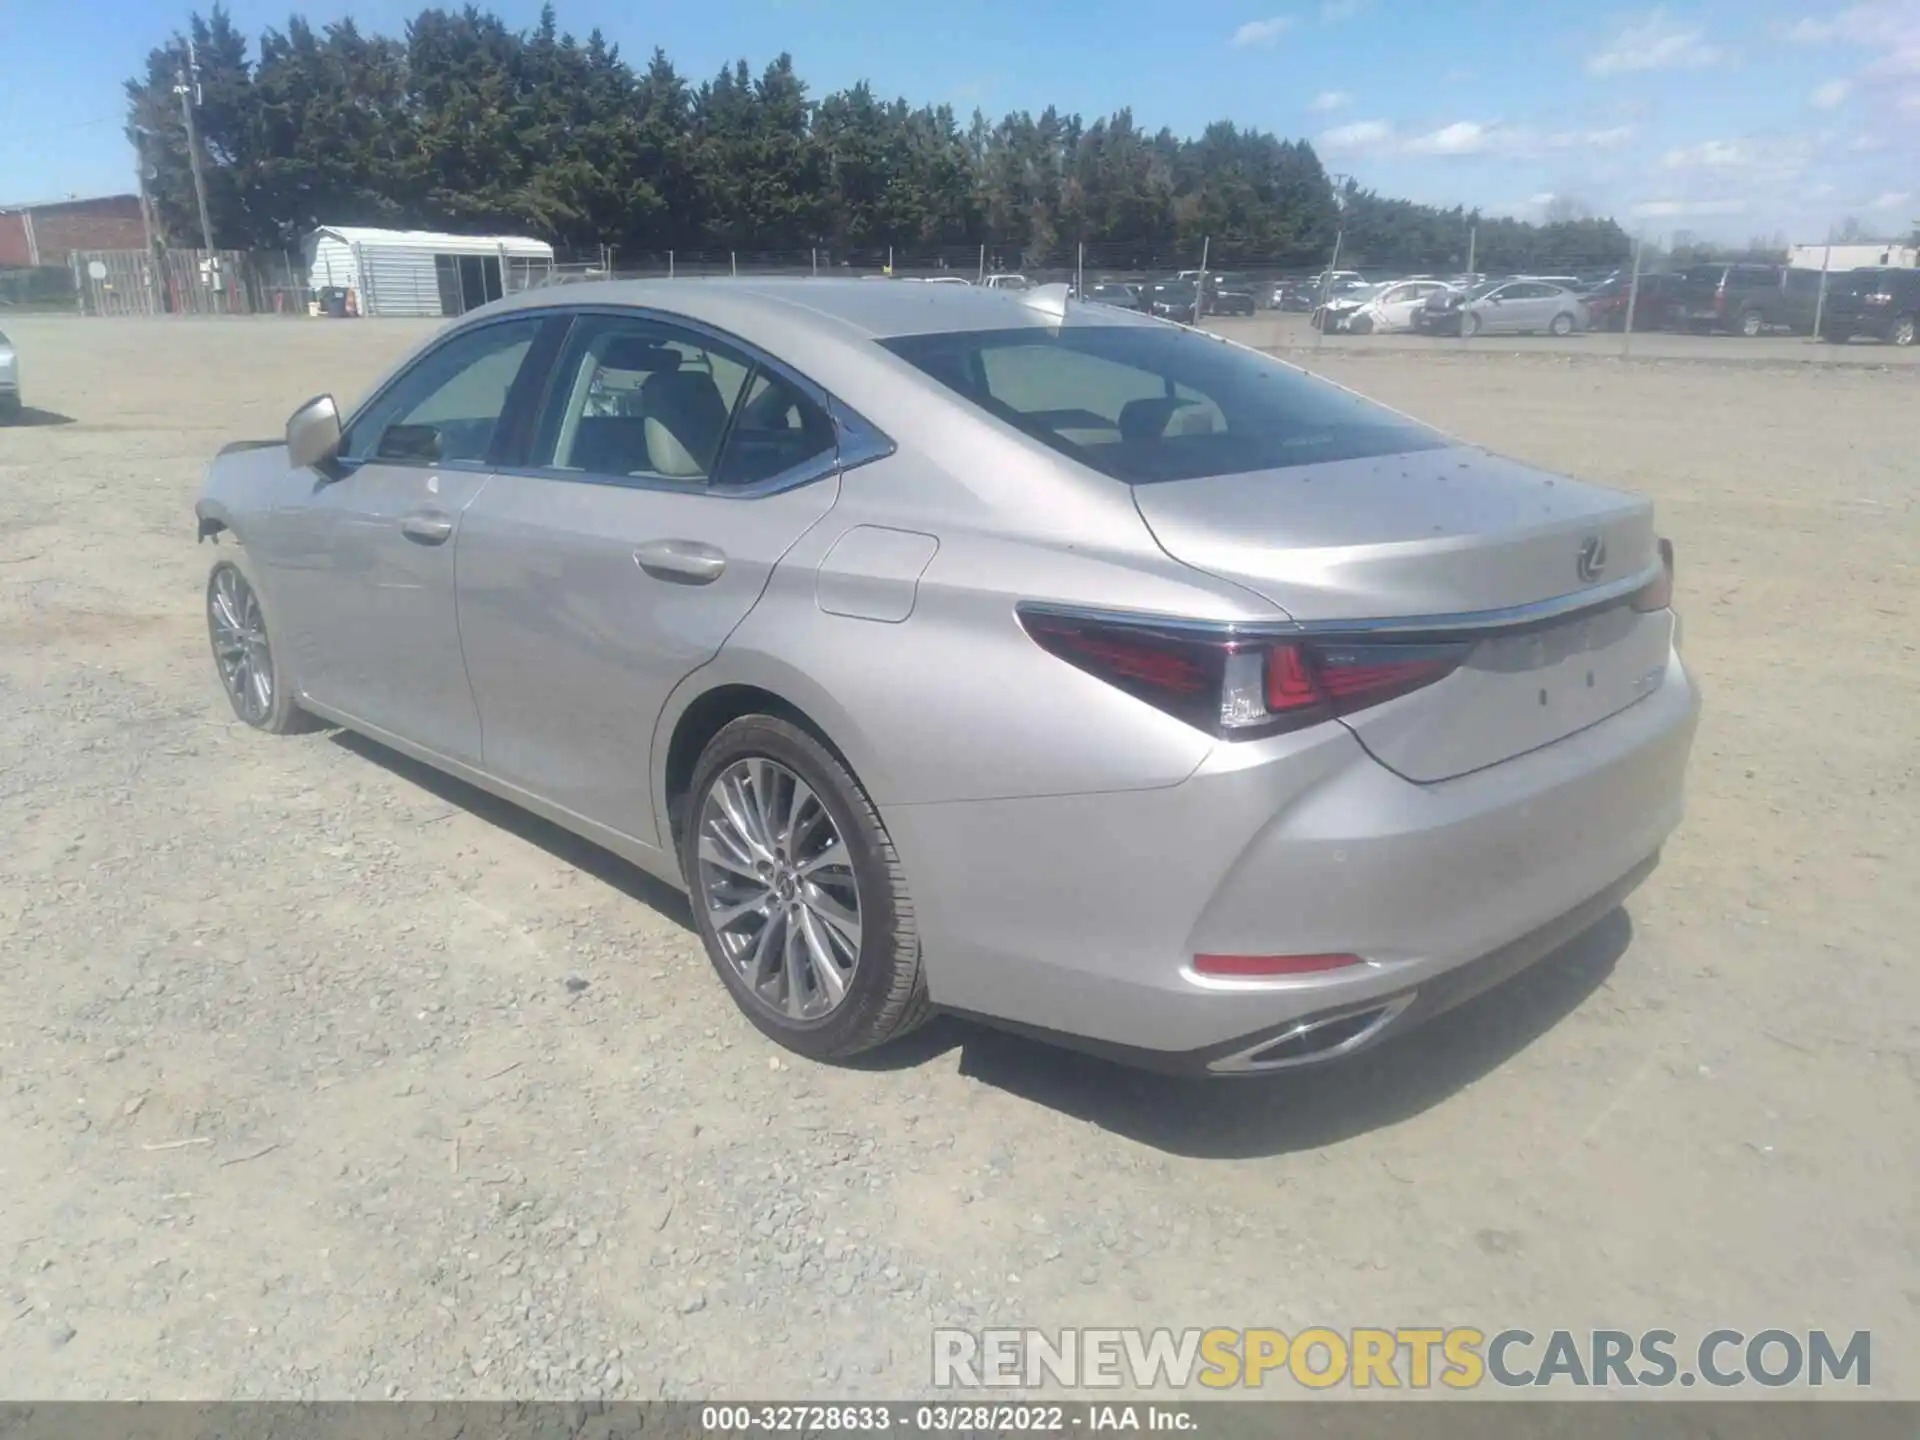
(1428, 542)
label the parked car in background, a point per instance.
(1654, 304)
(9, 381)
(1006, 281)
(1295, 296)
(719, 576)
(1170, 300)
(1881, 303)
(1746, 299)
(1230, 295)
(1391, 308)
(1503, 307)
(1338, 309)
(1111, 292)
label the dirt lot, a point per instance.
(321, 1076)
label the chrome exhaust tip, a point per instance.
(1322, 1038)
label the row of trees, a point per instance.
(465, 123)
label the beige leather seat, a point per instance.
(685, 418)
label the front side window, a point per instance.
(445, 409)
(1145, 404)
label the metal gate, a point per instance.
(164, 282)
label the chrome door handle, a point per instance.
(681, 562)
(429, 527)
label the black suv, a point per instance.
(1746, 299)
(1882, 303)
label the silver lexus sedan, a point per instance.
(971, 651)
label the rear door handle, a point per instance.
(681, 562)
(429, 527)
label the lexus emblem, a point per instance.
(1592, 562)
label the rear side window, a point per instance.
(638, 399)
(1143, 404)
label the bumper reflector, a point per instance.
(1244, 966)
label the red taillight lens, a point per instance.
(1256, 966)
(1657, 593)
(1234, 685)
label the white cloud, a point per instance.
(1468, 138)
(1606, 139)
(1361, 135)
(1832, 95)
(1463, 137)
(1261, 32)
(1655, 42)
(1328, 100)
(1891, 200)
(1709, 155)
(1687, 209)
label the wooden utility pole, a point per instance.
(187, 87)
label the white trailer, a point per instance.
(419, 272)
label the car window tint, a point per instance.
(1077, 394)
(445, 408)
(1143, 404)
(638, 400)
(775, 429)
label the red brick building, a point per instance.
(46, 233)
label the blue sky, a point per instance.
(1729, 118)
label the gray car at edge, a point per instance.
(963, 651)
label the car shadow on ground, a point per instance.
(558, 842)
(31, 415)
(1302, 1109)
(1197, 1118)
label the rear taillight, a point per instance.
(1657, 593)
(1244, 967)
(1238, 686)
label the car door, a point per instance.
(669, 472)
(1530, 306)
(1398, 304)
(362, 564)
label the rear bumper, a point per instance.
(1077, 916)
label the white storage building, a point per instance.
(418, 272)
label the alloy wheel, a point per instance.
(240, 648)
(1903, 330)
(776, 882)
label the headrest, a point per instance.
(634, 352)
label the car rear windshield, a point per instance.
(1144, 404)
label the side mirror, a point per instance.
(313, 433)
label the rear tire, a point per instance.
(1562, 324)
(1752, 324)
(1903, 331)
(883, 995)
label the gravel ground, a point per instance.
(323, 1076)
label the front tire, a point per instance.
(798, 894)
(1752, 323)
(251, 670)
(1903, 331)
(1469, 325)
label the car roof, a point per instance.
(763, 309)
